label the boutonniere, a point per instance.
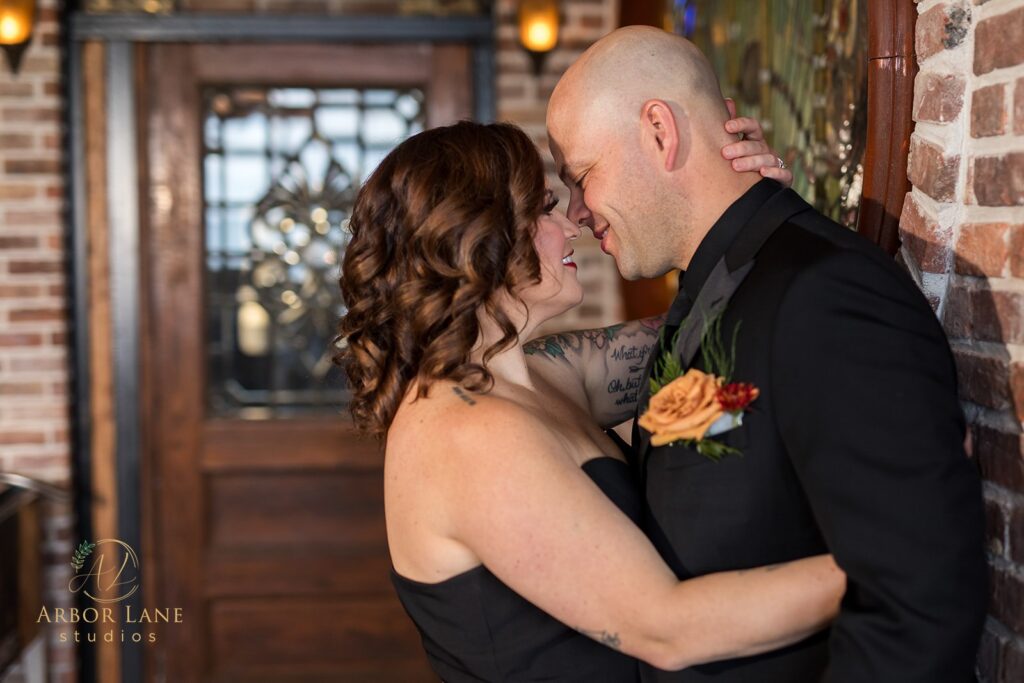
(691, 406)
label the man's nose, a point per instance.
(579, 214)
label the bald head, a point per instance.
(636, 128)
(610, 82)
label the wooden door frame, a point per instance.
(122, 35)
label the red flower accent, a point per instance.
(737, 396)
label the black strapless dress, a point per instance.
(475, 628)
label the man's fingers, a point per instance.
(752, 163)
(746, 148)
(750, 128)
(783, 175)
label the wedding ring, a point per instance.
(782, 164)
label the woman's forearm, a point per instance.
(741, 613)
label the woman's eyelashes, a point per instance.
(552, 202)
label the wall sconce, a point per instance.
(538, 29)
(17, 19)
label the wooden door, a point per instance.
(264, 509)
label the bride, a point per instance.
(511, 514)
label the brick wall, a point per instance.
(963, 238)
(34, 405)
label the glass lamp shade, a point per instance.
(17, 20)
(538, 28)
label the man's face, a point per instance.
(605, 174)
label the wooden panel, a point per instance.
(327, 443)
(450, 92)
(173, 250)
(102, 433)
(314, 65)
(341, 511)
(242, 574)
(304, 638)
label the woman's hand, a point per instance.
(752, 152)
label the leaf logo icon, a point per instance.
(80, 554)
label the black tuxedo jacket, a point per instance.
(854, 447)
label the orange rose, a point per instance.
(683, 409)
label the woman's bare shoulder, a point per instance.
(452, 420)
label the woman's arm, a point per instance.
(605, 366)
(545, 529)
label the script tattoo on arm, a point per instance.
(607, 639)
(569, 346)
(608, 361)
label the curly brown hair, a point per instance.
(444, 223)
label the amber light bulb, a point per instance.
(17, 18)
(538, 28)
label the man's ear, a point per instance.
(664, 134)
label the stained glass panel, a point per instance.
(281, 167)
(800, 67)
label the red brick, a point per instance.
(979, 313)
(20, 388)
(18, 242)
(18, 90)
(30, 114)
(36, 364)
(990, 652)
(1013, 662)
(1000, 456)
(931, 171)
(1017, 251)
(995, 528)
(14, 438)
(35, 314)
(1007, 595)
(59, 338)
(1016, 535)
(19, 339)
(921, 237)
(32, 166)
(27, 267)
(931, 32)
(19, 291)
(39, 462)
(983, 378)
(999, 181)
(938, 97)
(988, 111)
(32, 218)
(982, 249)
(16, 191)
(12, 141)
(1017, 389)
(1018, 107)
(999, 41)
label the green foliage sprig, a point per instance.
(81, 553)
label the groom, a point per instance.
(853, 445)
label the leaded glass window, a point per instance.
(281, 168)
(800, 67)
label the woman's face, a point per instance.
(559, 287)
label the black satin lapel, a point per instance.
(713, 298)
